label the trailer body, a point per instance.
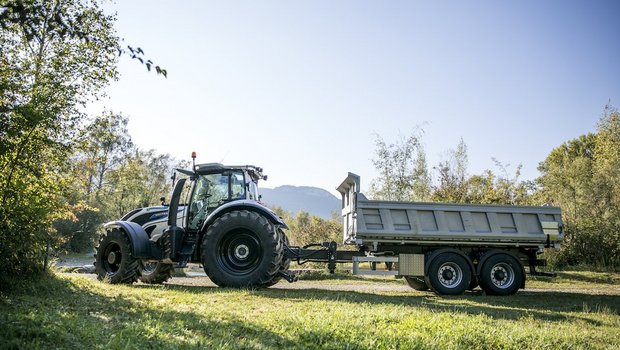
(410, 237)
(370, 221)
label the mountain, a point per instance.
(313, 200)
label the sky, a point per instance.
(301, 88)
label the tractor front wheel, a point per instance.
(113, 260)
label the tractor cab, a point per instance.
(214, 185)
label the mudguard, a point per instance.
(141, 246)
(244, 205)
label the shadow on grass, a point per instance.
(56, 313)
(556, 306)
(602, 278)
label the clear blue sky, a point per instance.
(300, 87)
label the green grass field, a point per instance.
(578, 310)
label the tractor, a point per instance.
(220, 224)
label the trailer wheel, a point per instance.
(241, 249)
(113, 261)
(501, 275)
(155, 272)
(416, 283)
(285, 264)
(448, 274)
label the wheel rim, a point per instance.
(240, 252)
(450, 275)
(148, 267)
(112, 258)
(502, 275)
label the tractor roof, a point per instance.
(255, 172)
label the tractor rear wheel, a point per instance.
(242, 249)
(113, 260)
(285, 264)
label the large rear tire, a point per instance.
(416, 283)
(501, 274)
(242, 249)
(113, 260)
(285, 264)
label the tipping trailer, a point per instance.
(215, 218)
(448, 247)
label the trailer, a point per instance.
(447, 248)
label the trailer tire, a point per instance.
(501, 274)
(416, 283)
(113, 260)
(448, 274)
(241, 249)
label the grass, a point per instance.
(578, 310)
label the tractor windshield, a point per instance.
(213, 190)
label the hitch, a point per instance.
(287, 275)
(331, 255)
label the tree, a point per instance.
(45, 75)
(105, 146)
(582, 176)
(402, 168)
(453, 175)
(63, 20)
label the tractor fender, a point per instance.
(139, 239)
(435, 253)
(244, 205)
(492, 252)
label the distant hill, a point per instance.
(313, 200)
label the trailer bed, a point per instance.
(373, 222)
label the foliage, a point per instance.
(45, 76)
(109, 177)
(56, 56)
(452, 174)
(305, 228)
(575, 311)
(404, 176)
(64, 21)
(403, 170)
(583, 177)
